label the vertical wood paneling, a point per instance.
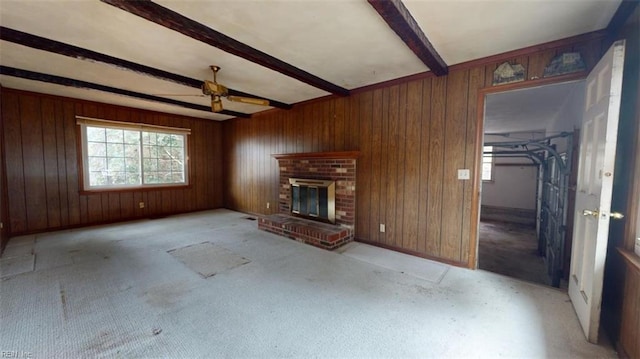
(76, 212)
(425, 182)
(312, 117)
(488, 76)
(50, 147)
(412, 138)
(590, 51)
(326, 142)
(363, 183)
(353, 133)
(538, 61)
(289, 136)
(215, 160)
(630, 327)
(454, 146)
(392, 167)
(43, 165)
(33, 159)
(62, 164)
(339, 121)
(262, 144)
(13, 158)
(412, 165)
(384, 163)
(400, 160)
(4, 215)
(376, 151)
(436, 165)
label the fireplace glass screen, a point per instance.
(313, 198)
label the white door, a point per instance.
(595, 181)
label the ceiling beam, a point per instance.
(172, 20)
(400, 20)
(60, 48)
(65, 81)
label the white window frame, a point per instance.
(85, 122)
(490, 161)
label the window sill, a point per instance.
(133, 189)
(631, 259)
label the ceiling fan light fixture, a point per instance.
(212, 88)
(216, 104)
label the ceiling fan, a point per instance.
(218, 91)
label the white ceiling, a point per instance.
(529, 109)
(344, 42)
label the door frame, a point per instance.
(476, 178)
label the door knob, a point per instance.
(588, 212)
(595, 213)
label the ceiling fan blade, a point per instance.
(216, 104)
(249, 100)
(178, 94)
(213, 88)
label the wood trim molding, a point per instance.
(630, 258)
(476, 181)
(399, 19)
(172, 20)
(65, 81)
(337, 155)
(537, 82)
(60, 48)
(531, 83)
(475, 198)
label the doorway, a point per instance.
(526, 184)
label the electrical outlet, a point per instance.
(382, 228)
(268, 205)
(1, 225)
(463, 174)
(141, 204)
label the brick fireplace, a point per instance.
(326, 167)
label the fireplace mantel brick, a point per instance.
(318, 166)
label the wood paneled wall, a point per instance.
(4, 216)
(626, 303)
(413, 136)
(630, 324)
(41, 145)
(620, 303)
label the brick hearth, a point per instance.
(336, 166)
(323, 235)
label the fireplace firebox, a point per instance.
(313, 199)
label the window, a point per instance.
(117, 155)
(487, 164)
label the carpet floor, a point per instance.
(144, 289)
